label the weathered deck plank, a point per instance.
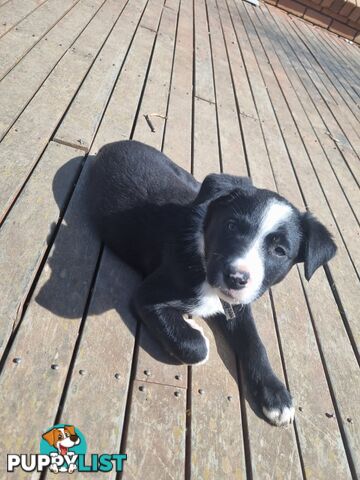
(109, 335)
(20, 85)
(47, 107)
(230, 135)
(274, 452)
(204, 85)
(21, 250)
(91, 100)
(15, 11)
(120, 115)
(177, 141)
(156, 437)
(16, 43)
(155, 99)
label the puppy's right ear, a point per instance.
(216, 185)
(70, 429)
(50, 437)
(317, 246)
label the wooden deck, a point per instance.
(228, 87)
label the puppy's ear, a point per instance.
(218, 202)
(50, 437)
(70, 429)
(218, 184)
(317, 246)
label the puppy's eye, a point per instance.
(279, 251)
(231, 226)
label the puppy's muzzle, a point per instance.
(236, 280)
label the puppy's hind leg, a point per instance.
(181, 338)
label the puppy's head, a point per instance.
(252, 238)
(62, 438)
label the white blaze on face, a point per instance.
(66, 441)
(253, 259)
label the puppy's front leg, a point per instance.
(269, 393)
(154, 303)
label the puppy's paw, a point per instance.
(192, 348)
(204, 357)
(280, 416)
(199, 352)
(276, 403)
(54, 468)
(72, 468)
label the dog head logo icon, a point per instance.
(63, 439)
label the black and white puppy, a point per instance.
(199, 245)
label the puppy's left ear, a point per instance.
(217, 184)
(317, 246)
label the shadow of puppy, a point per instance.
(77, 262)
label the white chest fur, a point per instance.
(208, 302)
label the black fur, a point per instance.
(179, 233)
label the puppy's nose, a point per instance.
(238, 279)
(74, 438)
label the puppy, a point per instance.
(62, 439)
(201, 247)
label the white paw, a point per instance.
(195, 326)
(280, 417)
(54, 468)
